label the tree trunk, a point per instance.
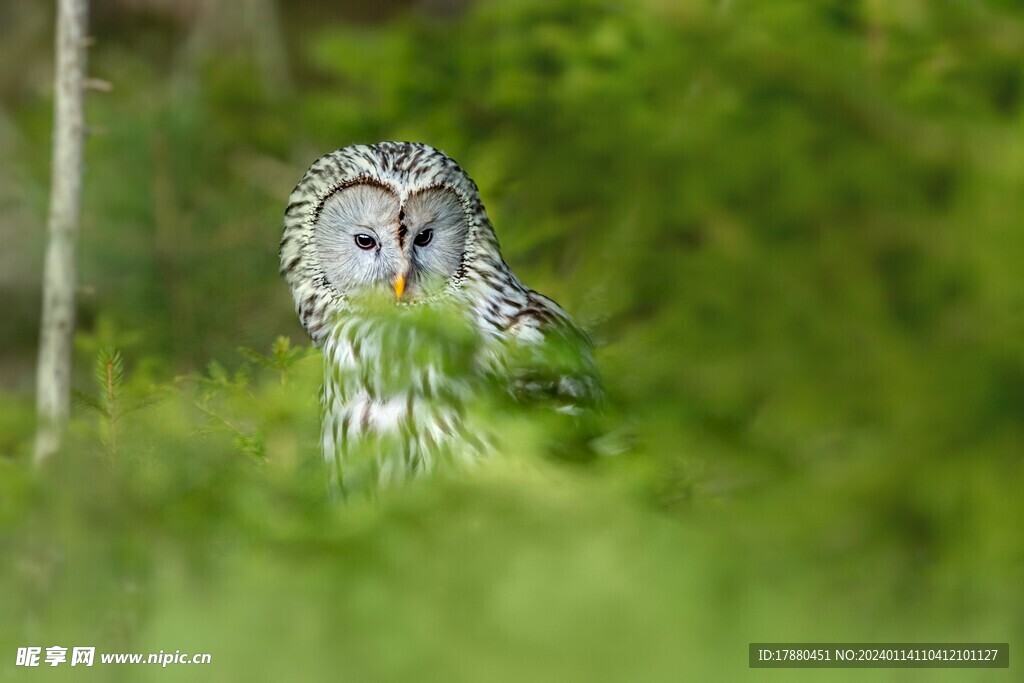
(53, 380)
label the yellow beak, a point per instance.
(399, 286)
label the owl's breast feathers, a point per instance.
(394, 396)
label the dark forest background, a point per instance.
(794, 229)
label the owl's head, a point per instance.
(393, 217)
(372, 236)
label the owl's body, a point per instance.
(402, 220)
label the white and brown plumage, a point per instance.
(403, 218)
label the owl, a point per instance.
(397, 276)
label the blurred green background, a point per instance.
(794, 229)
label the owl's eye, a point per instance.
(365, 241)
(423, 239)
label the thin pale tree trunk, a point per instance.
(53, 379)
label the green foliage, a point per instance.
(109, 402)
(792, 228)
(232, 405)
(281, 359)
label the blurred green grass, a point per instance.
(792, 227)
